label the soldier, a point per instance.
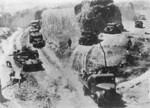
(129, 44)
(69, 43)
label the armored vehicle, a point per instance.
(142, 17)
(138, 24)
(27, 59)
(102, 87)
(113, 28)
(37, 40)
(36, 24)
(87, 40)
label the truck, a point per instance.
(102, 87)
(27, 59)
(138, 24)
(113, 28)
(100, 84)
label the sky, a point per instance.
(14, 5)
(11, 2)
(8, 2)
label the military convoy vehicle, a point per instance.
(102, 87)
(37, 40)
(27, 59)
(36, 24)
(88, 38)
(33, 30)
(35, 37)
(100, 84)
(142, 17)
(138, 24)
(113, 28)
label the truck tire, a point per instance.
(86, 91)
(98, 97)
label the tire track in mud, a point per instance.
(16, 43)
(9, 45)
(50, 74)
(54, 69)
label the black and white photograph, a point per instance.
(74, 53)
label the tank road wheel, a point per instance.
(86, 91)
(98, 97)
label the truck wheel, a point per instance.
(86, 92)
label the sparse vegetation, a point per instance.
(62, 51)
(57, 22)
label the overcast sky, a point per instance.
(11, 2)
(14, 5)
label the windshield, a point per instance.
(104, 80)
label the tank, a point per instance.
(88, 38)
(113, 28)
(37, 40)
(35, 37)
(27, 59)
